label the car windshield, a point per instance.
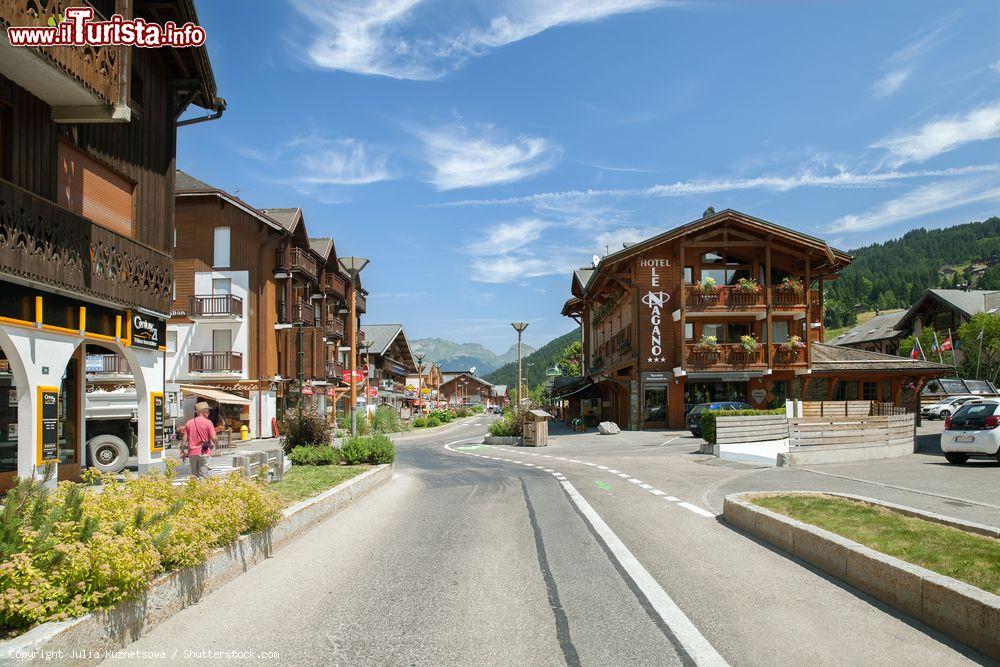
(973, 414)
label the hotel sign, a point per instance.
(652, 279)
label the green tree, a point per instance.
(572, 358)
(987, 366)
(926, 344)
(990, 279)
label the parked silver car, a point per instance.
(946, 407)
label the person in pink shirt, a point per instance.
(199, 438)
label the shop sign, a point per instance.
(656, 300)
(372, 392)
(307, 390)
(157, 405)
(758, 395)
(147, 332)
(48, 424)
(657, 377)
(359, 377)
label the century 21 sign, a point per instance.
(655, 299)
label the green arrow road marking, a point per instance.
(465, 449)
(603, 486)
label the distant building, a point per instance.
(945, 310)
(390, 361)
(879, 334)
(466, 388)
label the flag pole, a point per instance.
(979, 355)
(954, 358)
(937, 348)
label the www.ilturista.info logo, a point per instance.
(78, 28)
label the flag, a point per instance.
(935, 347)
(913, 353)
(946, 345)
(980, 336)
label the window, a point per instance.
(688, 331)
(734, 330)
(94, 191)
(869, 391)
(4, 140)
(173, 288)
(779, 331)
(221, 248)
(222, 286)
(222, 340)
(171, 342)
(689, 275)
(718, 331)
(713, 257)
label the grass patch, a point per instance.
(974, 559)
(302, 482)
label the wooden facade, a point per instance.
(728, 307)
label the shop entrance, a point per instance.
(654, 406)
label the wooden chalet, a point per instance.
(727, 307)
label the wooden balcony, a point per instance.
(110, 364)
(215, 362)
(300, 313)
(81, 84)
(334, 370)
(724, 356)
(784, 357)
(298, 259)
(361, 304)
(785, 299)
(334, 328)
(216, 306)
(45, 244)
(334, 284)
(725, 297)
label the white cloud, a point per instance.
(943, 135)
(464, 158)
(507, 237)
(425, 39)
(924, 200)
(807, 178)
(901, 64)
(995, 67)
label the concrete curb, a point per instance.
(504, 440)
(86, 639)
(969, 614)
(821, 454)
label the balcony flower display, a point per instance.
(792, 345)
(707, 286)
(708, 344)
(749, 344)
(747, 285)
(790, 284)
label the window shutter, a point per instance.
(95, 192)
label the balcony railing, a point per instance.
(361, 304)
(727, 297)
(787, 298)
(334, 283)
(111, 364)
(723, 355)
(215, 362)
(216, 305)
(43, 243)
(88, 76)
(297, 259)
(334, 328)
(299, 313)
(782, 356)
(334, 370)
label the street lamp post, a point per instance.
(420, 376)
(519, 327)
(353, 266)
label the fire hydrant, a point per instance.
(244, 432)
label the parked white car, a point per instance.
(972, 432)
(945, 408)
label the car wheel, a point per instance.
(944, 414)
(956, 458)
(108, 453)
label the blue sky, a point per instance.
(477, 151)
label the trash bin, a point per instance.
(536, 428)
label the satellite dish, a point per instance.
(596, 260)
(473, 370)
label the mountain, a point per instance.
(895, 273)
(534, 365)
(462, 356)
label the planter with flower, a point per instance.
(789, 290)
(707, 351)
(705, 293)
(746, 292)
(791, 350)
(747, 350)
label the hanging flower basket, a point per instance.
(789, 284)
(747, 285)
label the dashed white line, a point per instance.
(697, 510)
(656, 492)
(671, 499)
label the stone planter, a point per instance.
(508, 440)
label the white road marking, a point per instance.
(671, 499)
(694, 643)
(697, 510)
(623, 474)
(656, 492)
(613, 471)
(603, 467)
(634, 480)
(646, 486)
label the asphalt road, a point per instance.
(587, 552)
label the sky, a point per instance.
(477, 152)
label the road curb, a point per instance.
(85, 640)
(969, 614)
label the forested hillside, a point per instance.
(535, 364)
(894, 274)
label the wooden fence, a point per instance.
(812, 409)
(750, 428)
(864, 431)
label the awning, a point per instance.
(216, 395)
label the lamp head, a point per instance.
(519, 326)
(353, 265)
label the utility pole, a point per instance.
(353, 266)
(298, 367)
(420, 376)
(519, 327)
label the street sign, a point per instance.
(410, 387)
(372, 392)
(359, 377)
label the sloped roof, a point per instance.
(321, 246)
(449, 376)
(583, 275)
(186, 185)
(968, 302)
(499, 390)
(880, 327)
(185, 181)
(381, 336)
(838, 358)
(288, 218)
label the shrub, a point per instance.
(502, 428)
(76, 549)
(478, 409)
(419, 422)
(304, 427)
(322, 455)
(385, 420)
(374, 450)
(708, 418)
(362, 426)
(433, 421)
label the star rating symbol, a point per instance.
(656, 360)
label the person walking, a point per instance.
(199, 438)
